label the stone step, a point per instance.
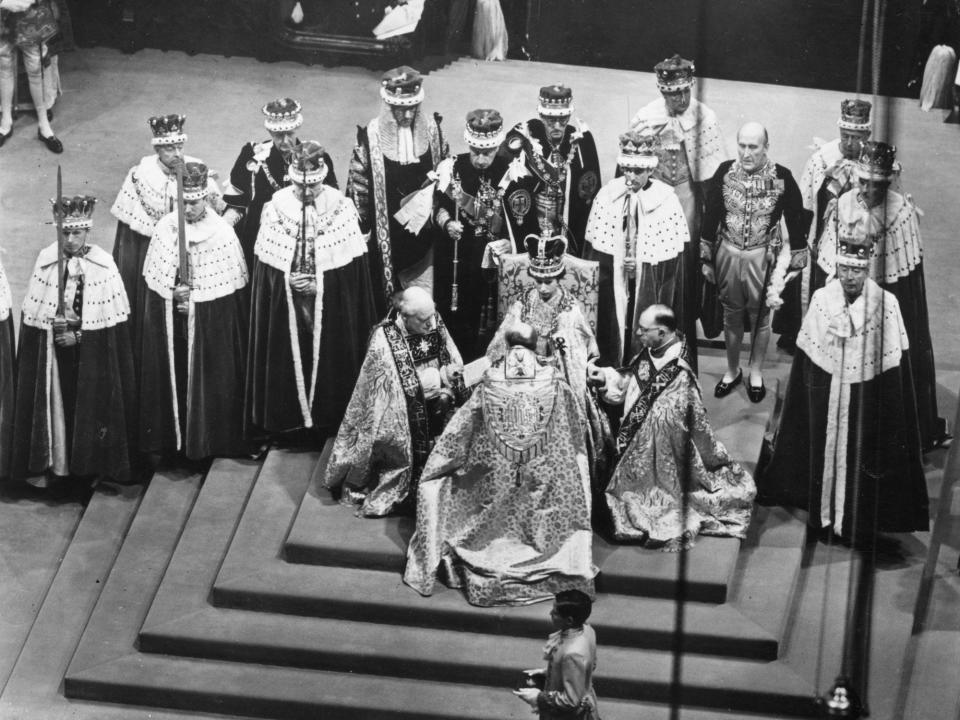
(235, 535)
(326, 533)
(274, 692)
(463, 657)
(354, 594)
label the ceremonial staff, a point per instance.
(302, 265)
(454, 290)
(182, 230)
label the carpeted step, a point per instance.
(326, 533)
(289, 693)
(420, 653)
(377, 596)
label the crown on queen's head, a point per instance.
(402, 87)
(638, 149)
(877, 161)
(854, 115)
(307, 164)
(546, 255)
(555, 101)
(194, 181)
(75, 212)
(484, 129)
(282, 115)
(674, 74)
(168, 129)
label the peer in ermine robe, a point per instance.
(892, 222)
(638, 234)
(74, 410)
(193, 351)
(503, 506)
(848, 445)
(312, 304)
(260, 170)
(149, 192)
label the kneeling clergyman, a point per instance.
(195, 317)
(312, 303)
(848, 445)
(74, 409)
(503, 506)
(674, 479)
(411, 380)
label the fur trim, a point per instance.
(104, 297)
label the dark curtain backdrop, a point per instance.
(810, 43)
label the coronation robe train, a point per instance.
(192, 364)
(669, 456)
(660, 237)
(8, 374)
(74, 410)
(385, 437)
(897, 265)
(380, 177)
(851, 364)
(503, 506)
(306, 350)
(149, 192)
(259, 171)
(572, 167)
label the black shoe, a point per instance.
(5, 136)
(723, 389)
(756, 394)
(53, 144)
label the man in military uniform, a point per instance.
(743, 252)
(471, 211)
(261, 170)
(148, 193)
(393, 156)
(562, 156)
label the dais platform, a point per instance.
(253, 595)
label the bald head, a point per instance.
(659, 315)
(417, 310)
(752, 144)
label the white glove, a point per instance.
(430, 382)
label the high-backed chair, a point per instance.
(581, 280)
